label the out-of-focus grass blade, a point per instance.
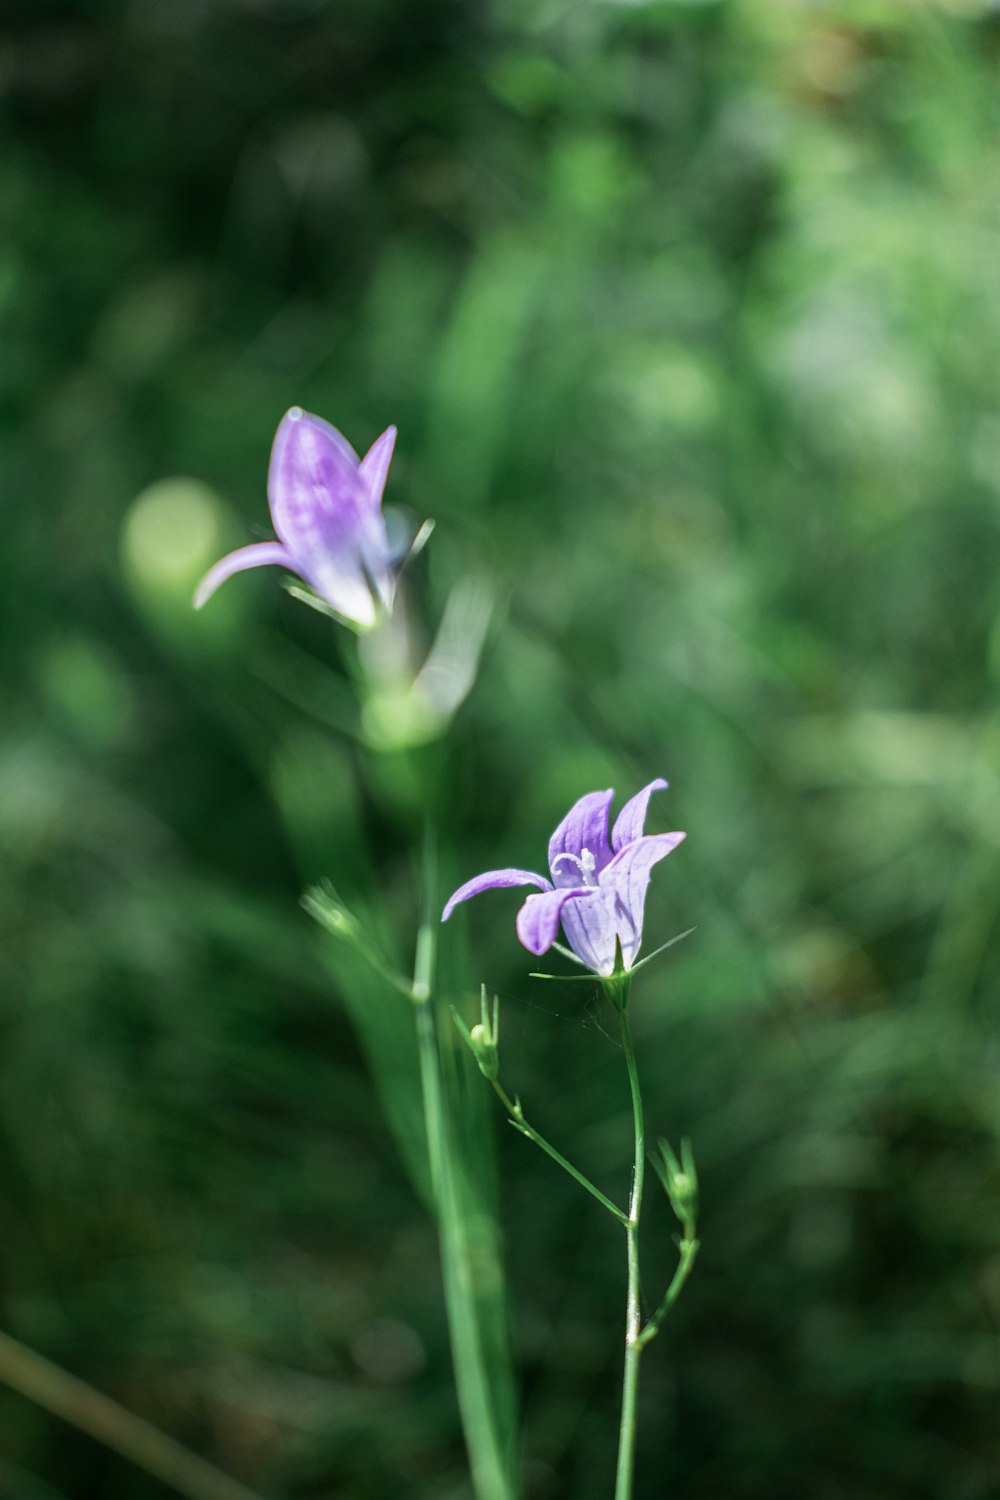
(113, 1425)
(470, 1239)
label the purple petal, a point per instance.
(585, 826)
(259, 555)
(375, 465)
(590, 929)
(627, 878)
(312, 478)
(493, 880)
(632, 818)
(322, 511)
(538, 919)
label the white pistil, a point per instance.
(585, 863)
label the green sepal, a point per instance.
(306, 596)
(662, 949)
(423, 536)
(591, 978)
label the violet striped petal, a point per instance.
(493, 880)
(374, 467)
(258, 555)
(627, 878)
(538, 920)
(632, 819)
(585, 826)
(590, 929)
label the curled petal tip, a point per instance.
(493, 880)
(257, 555)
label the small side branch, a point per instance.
(520, 1124)
(687, 1254)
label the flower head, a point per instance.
(326, 506)
(597, 890)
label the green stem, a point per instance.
(520, 1124)
(104, 1420)
(491, 1468)
(430, 1087)
(633, 1347)
(688, 1249)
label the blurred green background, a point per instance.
(688, 314)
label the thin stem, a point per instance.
(430, 1088)
(520, 1124)
(633, 1348)
(113, 1425)
(688, 1251)
(491, 1468)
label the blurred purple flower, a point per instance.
(326, 506)
(597, 892)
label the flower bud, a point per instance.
(680, 1181)
(484, 1038)
(484, 1050)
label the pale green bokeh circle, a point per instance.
(172, 534)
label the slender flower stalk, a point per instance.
(633, 1312)
(681, 1185)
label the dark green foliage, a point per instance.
(688, 315)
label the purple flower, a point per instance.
(326, 505)
(597, 891)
